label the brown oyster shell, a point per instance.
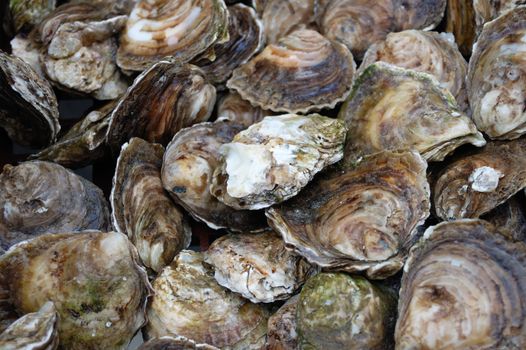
(175, 96)
(393, 108)
(236, 110)
(39, 197)
(178, 29)
(303, 72)
(282, 329)
(488, 10)
(188, 166)
(28, 106)
(510, 217)
(460, 21)
(142, 210)
(479, 182)
(362, 218)
(177, 343)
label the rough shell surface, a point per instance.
(282, 331)
(174, 343)
(28, 13)
(510, 217)
(487, 10)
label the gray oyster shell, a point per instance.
(282, 331)
(25, 49)
(28, 13)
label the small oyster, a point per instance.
(180, 29)
(257, 266)
(234, 109)
(478, 183)
(212, 314)
(393, 108)
(496, 77)
(338, 311)
(303, 72)
(188, 167)
(488, 10)
(37, 330)
(93, 278)
(40, 197)
(177, 343)
(460, 22)
(274, 159)
(282, 330)
(358, 219)
(463, 288)
(28, 13)
(142, 210)
(28, 106)
(176, 96)
(510, 218)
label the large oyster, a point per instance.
(464, 288)
(40, 197)
(303, 72)
(234, 109)
(274, 159)
(495, 79)
(477, 183)
(162, 100)
(93, 278)
(188, 167)
(28, 13)
(177, 343)
(460, 22)
(338, 311)
(362, 218)
(257, 266)
(28, 106)
(212, 314)
(142, 210)
(282, 331)
(488, 10)
(510, 217)
(393, 108)
(180, 29)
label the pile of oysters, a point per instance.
(363, 162)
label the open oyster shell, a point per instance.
(93, 279)
(338, 311)
(142, 210)
(488, 10)
(274, 159)
(39, 197)
(28, 106)
(303, 72)
(257, 266)
(234, 109)
(282, 331)
(358, 219)
(179, 29)
(496, 77)
(479, 182)
(464, 287)
(212, 314)
(177, 96)
(510, 217)
(189, 163)
(394, 108)
(177, 343)
(460, 21)
(28, 13)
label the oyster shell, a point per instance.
(509, 217)
(274, 159)
(28, 13)
(177, 343)
(176, 96)
(464, 287)
(478, 183)
(142, 210)
(303, 72)
(282, 17)
(189, 163)
(212, 314)
(282, 330)
(93, 278)
(234, 109)
(460, 21)
(37, 330)
(258, 267)
(179, 29)
(496, 77)
(39, 197)
(358, 219)
(123, 7)
(394, 108)
(488, 10)
(338, 311)
(28, 106)
(23, 48)
(418, 14)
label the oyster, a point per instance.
(495, 77)
(478, 183)
(188, 166)
(39, 197)
(418, 14)
(282, 17)
(394, 108)
(212, 314)
(274, 159)
(464, 287)
(460, 17)
(282, 330)
(303, 72)
(28, 13)
(142, 210)
(28, 106)
(488, 10)
(93, 278)
(179, 29)
(176, 96)
(362, 218)
(37, 330)
(429, 52)
(234, 109)
(509, 217)
(258, 267)
(178, 343)
(338, 311)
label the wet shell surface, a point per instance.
(282, 331)
(234, 109)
